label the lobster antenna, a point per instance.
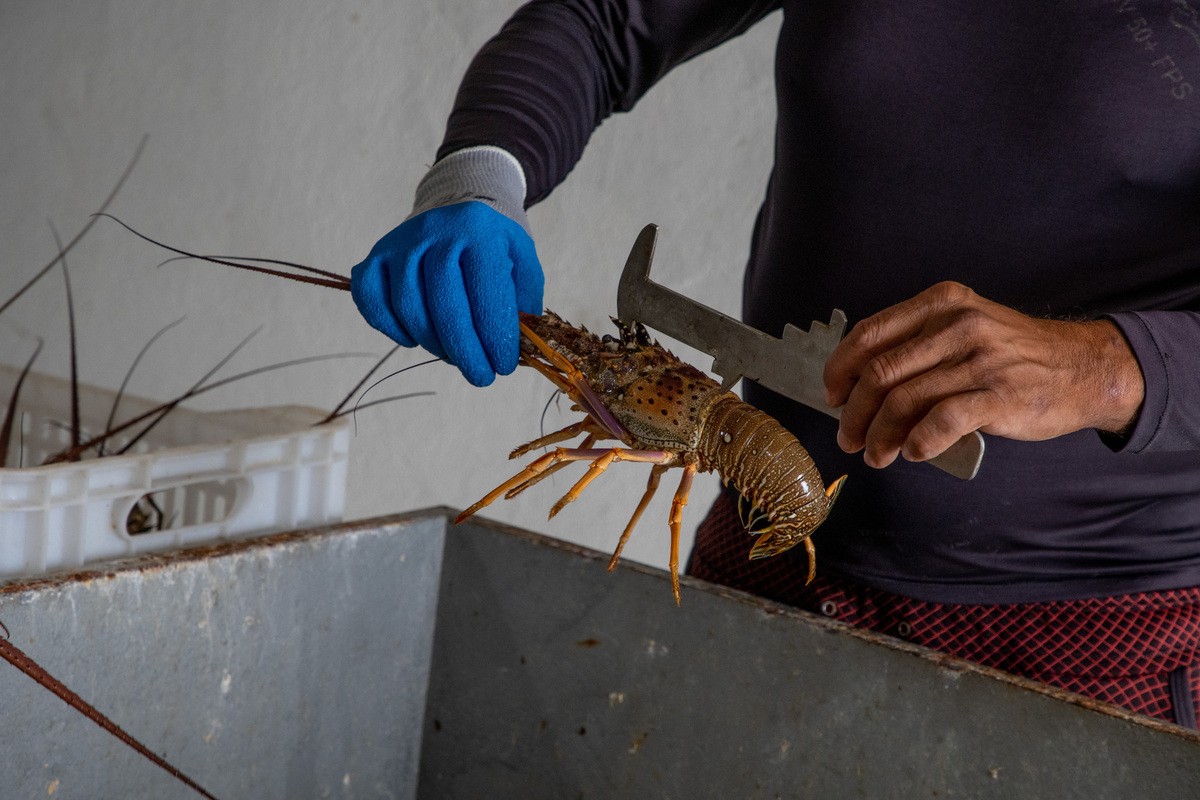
(330, 279)
(10, 415)
(336, 412)
(71, 454)
(112, 413)
(76, 433)
(384, 378)
(222, 259)
(196, 385)
(78, 449)
(22, 661)
(381, 401)
(63, 251)
(557, 393)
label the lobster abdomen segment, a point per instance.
(768, 466)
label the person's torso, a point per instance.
(1047, 156)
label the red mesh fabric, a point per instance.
(1121, 650)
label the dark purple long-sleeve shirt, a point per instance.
(1045, 154)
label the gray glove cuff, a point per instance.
(485, 173)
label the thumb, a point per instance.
(527, 275)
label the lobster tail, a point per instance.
(771, 469)
(772, 542)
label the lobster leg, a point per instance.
(561, 454)
(651, 487)
(750, 515)
(570, 432)
(676, 522)
(595, 432)
(535, 467)
(602, 459)
(812, 559)
(516, 490)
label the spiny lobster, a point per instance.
(669, 414)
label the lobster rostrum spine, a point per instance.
(669, 414)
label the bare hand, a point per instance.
(915, 377)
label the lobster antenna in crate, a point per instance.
(63, 251)
(11, 414)
(73, 453)
(228, 357)
(71, 339)
(112, 413)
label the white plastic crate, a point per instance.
(212, 476)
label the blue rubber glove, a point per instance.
(452, 279)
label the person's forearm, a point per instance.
(1119, 386)
(558, 68)
(1167, 347)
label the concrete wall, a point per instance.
(298, 130)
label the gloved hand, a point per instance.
(453, 276)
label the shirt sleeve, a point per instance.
(1167, 347)
(558, 68)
